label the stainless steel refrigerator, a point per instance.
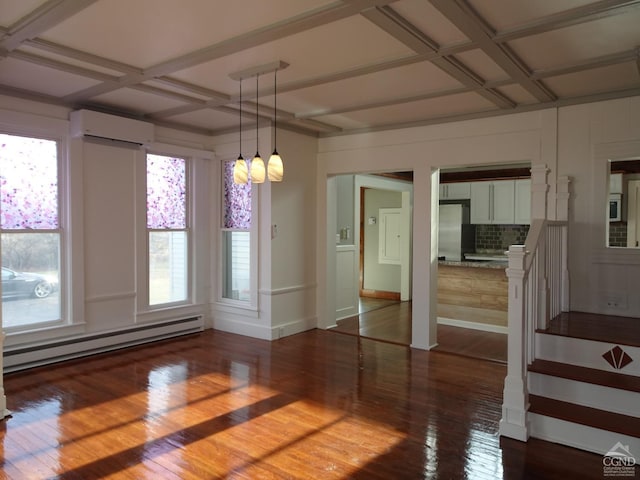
(456, 236)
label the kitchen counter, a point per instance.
(475, 263)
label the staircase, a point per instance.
(572, 378)
(585, 392)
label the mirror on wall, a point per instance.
(623, 212)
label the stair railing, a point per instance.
(538, 291)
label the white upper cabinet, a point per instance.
(615, 183)
(455, 191)
(493, 202)
(522, 214)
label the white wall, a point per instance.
(589, 136)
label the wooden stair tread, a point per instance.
(595, 327)
(587, 375)
(592, 417)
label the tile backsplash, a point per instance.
(500, 237)
(618, 234)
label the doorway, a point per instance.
(373, 266)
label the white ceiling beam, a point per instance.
(81, 56)
(632, 92)
(46, 16)
(473, 26)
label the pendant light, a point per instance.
(240, 172)
(275, 168)
(257, 164)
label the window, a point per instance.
(167, 228)
(29, 231)
(236, 237)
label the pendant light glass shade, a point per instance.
(275, 166)
(257, 169)
(240, 171)
(276, 169)
(257, 164)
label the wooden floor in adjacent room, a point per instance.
(317, 405)
(390, 321)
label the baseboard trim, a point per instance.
(485, 327)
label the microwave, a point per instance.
(615, 207)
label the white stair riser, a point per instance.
(585, 353)
(586, 394)
(580, 436)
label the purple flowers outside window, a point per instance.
(28, 183)
(166, 192)
(237, 200)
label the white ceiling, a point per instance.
(355, 65)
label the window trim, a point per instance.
(252, 304)
(145, 290)
(34, 128)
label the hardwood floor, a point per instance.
(314, 405)
(391, 322)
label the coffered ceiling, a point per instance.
(354, 65)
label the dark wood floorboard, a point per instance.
(591, 326)
(317, 405)
(392, 323)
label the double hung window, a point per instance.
(236, 237)
(30, 231)
(167, 227)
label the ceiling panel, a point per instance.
(147, 32)
(421, 110)
(614, 77)
(501, 14)
(32, 77)
(330, 48)
(208, 119)
(580, 42)
(135, 101)
(411, 80)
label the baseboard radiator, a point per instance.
(21, 358)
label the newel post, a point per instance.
(515, 399)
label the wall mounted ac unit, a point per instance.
(87, 123)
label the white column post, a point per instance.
(539, 188)
(515, 403)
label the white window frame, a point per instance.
(252, 304)
(31, 126)
(189, 231)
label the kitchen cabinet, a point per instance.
(493, 202)
(615, 183)
(455, 191)
(522, 204)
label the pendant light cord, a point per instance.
(275, 109)
(257, 149)
(240, 117)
